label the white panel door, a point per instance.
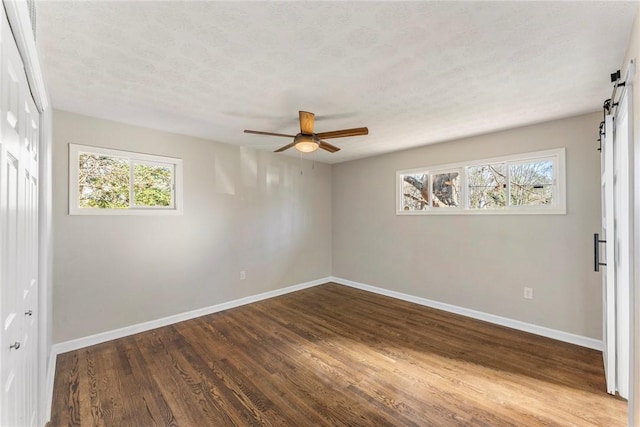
(18, 238)
(609, 276)
(29, 284)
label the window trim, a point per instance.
(558, 206)
(133, 157)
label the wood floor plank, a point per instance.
(158, 411)
(67, 385)
(185, 392)
(333, 356)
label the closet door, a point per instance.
(18, 238)
(29, 284)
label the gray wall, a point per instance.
(480, 262)
(243, 210)
(254, 211)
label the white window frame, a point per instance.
(557, 207)
(75, 150)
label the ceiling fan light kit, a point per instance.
(307, 141)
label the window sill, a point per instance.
(446, 211)
(108, 212)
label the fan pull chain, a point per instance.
(300, 162)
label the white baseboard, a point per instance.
(79, 343)
(491, 318)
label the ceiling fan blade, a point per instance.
(306, 122)
(330, 148)
(343, 133)
(286, 147)
(257, 132)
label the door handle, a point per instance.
(596, 252)
(14, 346)
(28, 313)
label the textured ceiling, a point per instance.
(413, 72)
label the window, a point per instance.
(531, 183)
(487, 186)
(419, 195)
(104, 181)
(415, 191)
(445, 189)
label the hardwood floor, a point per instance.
(333, 356)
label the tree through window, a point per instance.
(487, 186)
(103, 182)
(415, 191)
(531, 183)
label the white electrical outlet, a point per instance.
(528, 293)
(243, 275)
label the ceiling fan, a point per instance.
(307, 141)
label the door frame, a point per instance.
(634, 120)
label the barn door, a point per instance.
(19, 121)
(617, 215)
(609, 276)
(622, 241)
